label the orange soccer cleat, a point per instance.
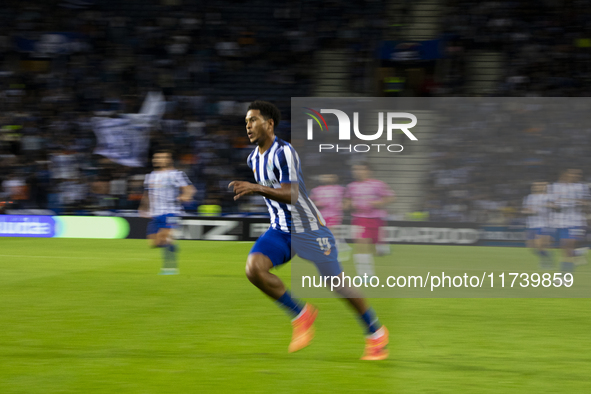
(303, 329)
(375, 345)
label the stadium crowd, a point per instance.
(209, 61)
(206, 61)
(546, 44)
(486, 162)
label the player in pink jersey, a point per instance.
(367, 198)
(328, 197)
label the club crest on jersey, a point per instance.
(268, 182)
(270, 166)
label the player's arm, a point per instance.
(187, 193)
(187, 190)
(347, 200)
(346, 204)
(284, 160)
(388, 197)
(286, 194)
(144, 207)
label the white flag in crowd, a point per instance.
(125, 139)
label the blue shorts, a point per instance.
(170, 220)
(318, 246)
(576, 233)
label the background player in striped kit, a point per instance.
(367, 199)
(580, 252)
(297, 227)
(328, 197)
(570, 197)
(538, 206)
(166, 188)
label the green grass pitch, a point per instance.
(93, 316)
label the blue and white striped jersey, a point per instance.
(568, 201)
(281, 164)
(540, 203)
(163, 191)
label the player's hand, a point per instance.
(242, 188)
(376, 204)
(183, 198)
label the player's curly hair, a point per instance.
(268, 110)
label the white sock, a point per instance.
(383, 249)
(376, 334)
(364, 264)
(342, 246)
(369, 265)
(580, 251)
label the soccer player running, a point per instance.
(569, 197)
(277, 171)
(328, 197)
(367, 199)
(584, 202)
(538, 206)
(166, 188)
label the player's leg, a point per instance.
(159, 235)
(152, 240)
(363, 256)
(342, 246)
(544, 243)
(382, 248)
(307, 247)
(567, 245)
(377, 336)
(164, 240)
(580, 251)
(258, 267)
(273, 249)
(151, 231)
(539, 245)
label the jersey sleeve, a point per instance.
(181, 179)
(147, 181)
(286, 162)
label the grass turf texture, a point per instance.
(93, 316)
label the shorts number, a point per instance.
(323, 243)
